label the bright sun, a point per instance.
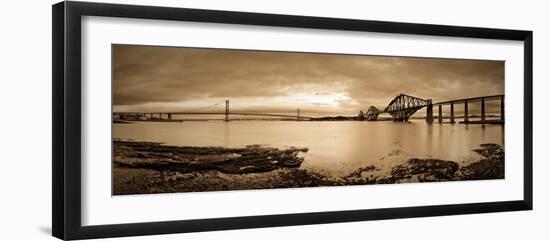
(331, 99)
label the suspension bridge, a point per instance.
(226, 114)
(401, 108)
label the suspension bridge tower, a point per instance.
(226, 110)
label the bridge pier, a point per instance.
(440, 115)
(466, 112)
(452, 113)
(429, 111)
(169, 116)
(298, 114)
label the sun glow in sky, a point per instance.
(329, 102)
(320, 99)
(167, 79)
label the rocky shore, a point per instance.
(146, 167)
(251, 159)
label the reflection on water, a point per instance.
(335, 148)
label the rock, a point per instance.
(359, 171)
(145, 167)
(431, 169)
(185, 159)
(490, 167)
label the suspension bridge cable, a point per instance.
(205, 107)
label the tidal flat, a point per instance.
(151, 167)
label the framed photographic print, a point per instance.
(169, 120)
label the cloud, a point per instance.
(179, 78)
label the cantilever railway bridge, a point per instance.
(401, 108)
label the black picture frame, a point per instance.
(66, 158)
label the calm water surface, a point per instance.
(336, 148)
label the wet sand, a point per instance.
(148, 167)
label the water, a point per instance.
(336, 147)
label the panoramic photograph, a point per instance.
(188, 119)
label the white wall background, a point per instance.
(25, 123)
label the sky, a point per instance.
(171, 79)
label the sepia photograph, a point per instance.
(187, 119)
(166, 119)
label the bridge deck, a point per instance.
(474, 99)
(210, 113)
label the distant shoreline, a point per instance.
(323, 118)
